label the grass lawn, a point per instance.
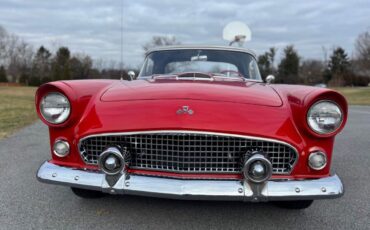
(356, 95)
(17, 108)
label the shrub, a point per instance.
(45, 80)
(34, 81)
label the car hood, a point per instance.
(221, 91)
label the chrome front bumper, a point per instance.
(324, 188)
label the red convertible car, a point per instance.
(197, 123)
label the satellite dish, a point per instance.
(237, 32)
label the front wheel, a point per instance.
(87, 194)
(297, 204)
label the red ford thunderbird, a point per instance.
(197, 123)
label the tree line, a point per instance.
(337, 70)
(19, 63)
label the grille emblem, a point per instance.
(185, 110)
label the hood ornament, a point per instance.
(185, 110)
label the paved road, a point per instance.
(27, 204)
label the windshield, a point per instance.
(217, 62)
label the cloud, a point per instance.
(93, 26)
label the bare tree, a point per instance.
(112, 64)
(266, 62)
(311, 71)
(161, 41)
(19, 56)
(362, 46)
(81, 65)
(272, 55)
(15, 54)
(3, 45)
(98, 64)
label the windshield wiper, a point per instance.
(223, 76)
(196, 76)
(163, 76)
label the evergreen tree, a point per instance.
(289, 67)
(3, 77)
(80, 65)
(61, 68)
(41, 65)
(338, 67)
(339, 62)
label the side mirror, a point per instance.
(131, 74)
(270, 79)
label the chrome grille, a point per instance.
(189, 152)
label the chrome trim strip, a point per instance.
(205, 47)
(190, 132)
(227, 79)
(324, 188)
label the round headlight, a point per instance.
(324, 117)
(55, 108)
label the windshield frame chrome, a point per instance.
(190, 47)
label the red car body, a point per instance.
(252, 109)
(245, 108)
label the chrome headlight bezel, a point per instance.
(321, 131)
(311, 160)
(64, 104)
(65, 151)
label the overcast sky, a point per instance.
(93, 26)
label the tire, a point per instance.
(298, 204)
(87, 194)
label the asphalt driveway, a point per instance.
(27, 204)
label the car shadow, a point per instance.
(190, 213)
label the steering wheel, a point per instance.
(232, 71)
